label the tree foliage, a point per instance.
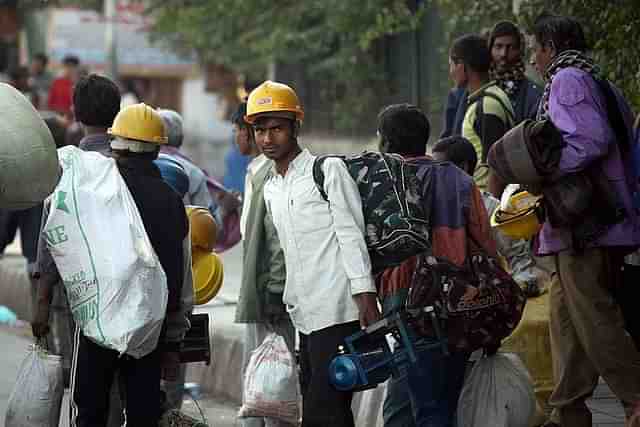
(333, 38)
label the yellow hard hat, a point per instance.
(139, 122)
(208, 274)
(204, 230)
(521, 220)
(275, 98)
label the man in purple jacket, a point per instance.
(587, 332)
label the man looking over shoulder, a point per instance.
(329, 290)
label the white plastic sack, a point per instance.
(116, 287)
(497, 393)
(37, 394)
(28, 162)
(271, 382)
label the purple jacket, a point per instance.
(577, 109)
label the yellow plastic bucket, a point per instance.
(208, 275)
(203, 228)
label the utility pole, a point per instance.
(110, 38)
(417, 70)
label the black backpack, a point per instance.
(396, 220)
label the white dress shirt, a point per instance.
(325, 253)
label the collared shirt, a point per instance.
(577, 108)
(325, 252)
(254, 166)
(99, 142)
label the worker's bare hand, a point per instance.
(368, 307)
(40, 323)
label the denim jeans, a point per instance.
(427, 396)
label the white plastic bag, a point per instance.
(116, 287)
(28, 163)
(497, 393)
(271, 382)
(37, 395)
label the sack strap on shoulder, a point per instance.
(318, 175)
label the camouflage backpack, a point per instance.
(479, 304)
(396, 219)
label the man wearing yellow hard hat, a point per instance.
(260, 305)
(138, 133)
(329, 290)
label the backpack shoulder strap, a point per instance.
(506, 109)
(478, 123)
(318, 175)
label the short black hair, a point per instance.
(42, 58)
(96, 101)
(562, 32)
(238, 117)
(71, 60)
(458, 150)
(58, 131)
(503, 29)
(405, 128)
(473, 51)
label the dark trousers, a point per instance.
(323, 405)
(92, 374)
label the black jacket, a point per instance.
(164, 218)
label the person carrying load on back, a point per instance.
(516, 252)
(489, 112)
(137, 134)
(329, 289)
(429, 393)
(588, 339)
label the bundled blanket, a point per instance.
(528, 154)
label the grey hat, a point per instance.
(173, 127)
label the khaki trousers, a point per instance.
(588, 339)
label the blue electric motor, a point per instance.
(366, 360)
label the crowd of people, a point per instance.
(307, 271)
(318, 262)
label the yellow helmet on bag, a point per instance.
(274, 98)
(204, 230)
(522, 218)
(139, 122)
(208, 275)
